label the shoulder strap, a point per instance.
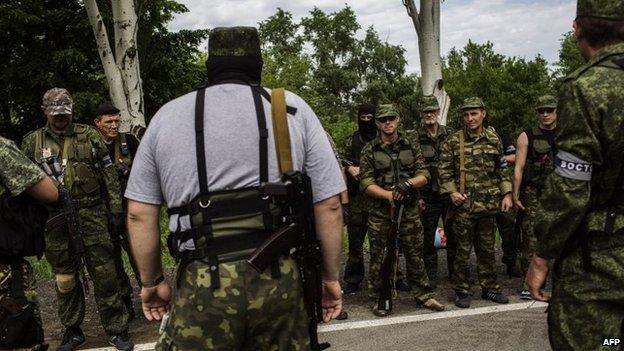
(280, 130)
(199, 142)
(462, 163)
(123, 147)
(117, 149)
(39, 141)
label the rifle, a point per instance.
(70, 215)
(389, 263)
(298, 237)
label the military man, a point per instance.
(392, 168)
(534, 162)
(434, 205)
(121, 147)
(220, 302)
(88, 173)
(581, 224)
(472, 173)
(19, 175)
(358, 214)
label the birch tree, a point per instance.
(121, 66)
(427, 24)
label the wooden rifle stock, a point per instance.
(280, 242)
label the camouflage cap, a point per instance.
(429, 103)
(387, 110)
(608, 9)
(472, 102)
(57, 101)
(546, 101)
(233, 41)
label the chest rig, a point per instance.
(227, 225)
(540, 157)
(79, 158)
(393, 163)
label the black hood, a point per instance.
(243, 68)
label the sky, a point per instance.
(522, 28)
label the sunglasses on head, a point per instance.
(548, 110)
(386, 119)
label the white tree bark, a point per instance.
(121, 68)
(427, 26)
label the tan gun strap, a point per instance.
(280, 130)
(462, 164)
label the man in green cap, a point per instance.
(78, 152)
(534, 162)
(473, 173)
(430, 136)
(581, 221)
(218, 216)
(392, 168)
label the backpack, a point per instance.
(22, 226)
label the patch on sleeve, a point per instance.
(569, 166)
(106, 161)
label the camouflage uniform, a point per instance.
(385, 165)
(473, 221)
(18, 174)
(539, 164)
(587, 304)
(436, 205)
(90, 175)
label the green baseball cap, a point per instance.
(472, 102)
(607, 9)
(387, 110)
(546, 101)
(57, 101)
(233, 41)
(429, 103)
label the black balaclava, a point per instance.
(242, 68)
(368, 129)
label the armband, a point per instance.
(569, 166)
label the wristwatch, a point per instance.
(152, 283)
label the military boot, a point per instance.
(121, 342)
(494, 296)
(433, 305)
(73, 338)
(462, 300)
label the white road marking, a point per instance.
(392, 320)
(428, 316)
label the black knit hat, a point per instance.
(366, 109)
(105, 109)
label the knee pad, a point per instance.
(65, 282)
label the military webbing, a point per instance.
(280, 130)
(462, 163)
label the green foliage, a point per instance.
(508, 85)
(321, 59)
(50, 43)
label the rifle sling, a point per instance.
(280, 130)
(462, 163)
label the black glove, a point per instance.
(404, 188)
(117, 224)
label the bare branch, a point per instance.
(412, 11)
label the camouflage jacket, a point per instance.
(385, 165)
(431, 148)
(17, 173)
(589, 152)
(487, 180)
(90, 174)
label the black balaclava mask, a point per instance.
(368, 129)
(241, 68)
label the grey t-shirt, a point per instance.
(165, 167)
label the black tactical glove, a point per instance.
(402, 188)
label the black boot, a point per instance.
(121, 342)
(73, 338)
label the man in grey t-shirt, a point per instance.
(220, 302)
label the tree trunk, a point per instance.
(122, 68)
(427, 26)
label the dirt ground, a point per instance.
(142, 331)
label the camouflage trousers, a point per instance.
(125, 287)
(356, 230)
(249, 311)
(30, 290)
(435, 209)
(587, 307)
(480, 232)
(529, 240)
(411, 235)
(100, 265)
(505, 222)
